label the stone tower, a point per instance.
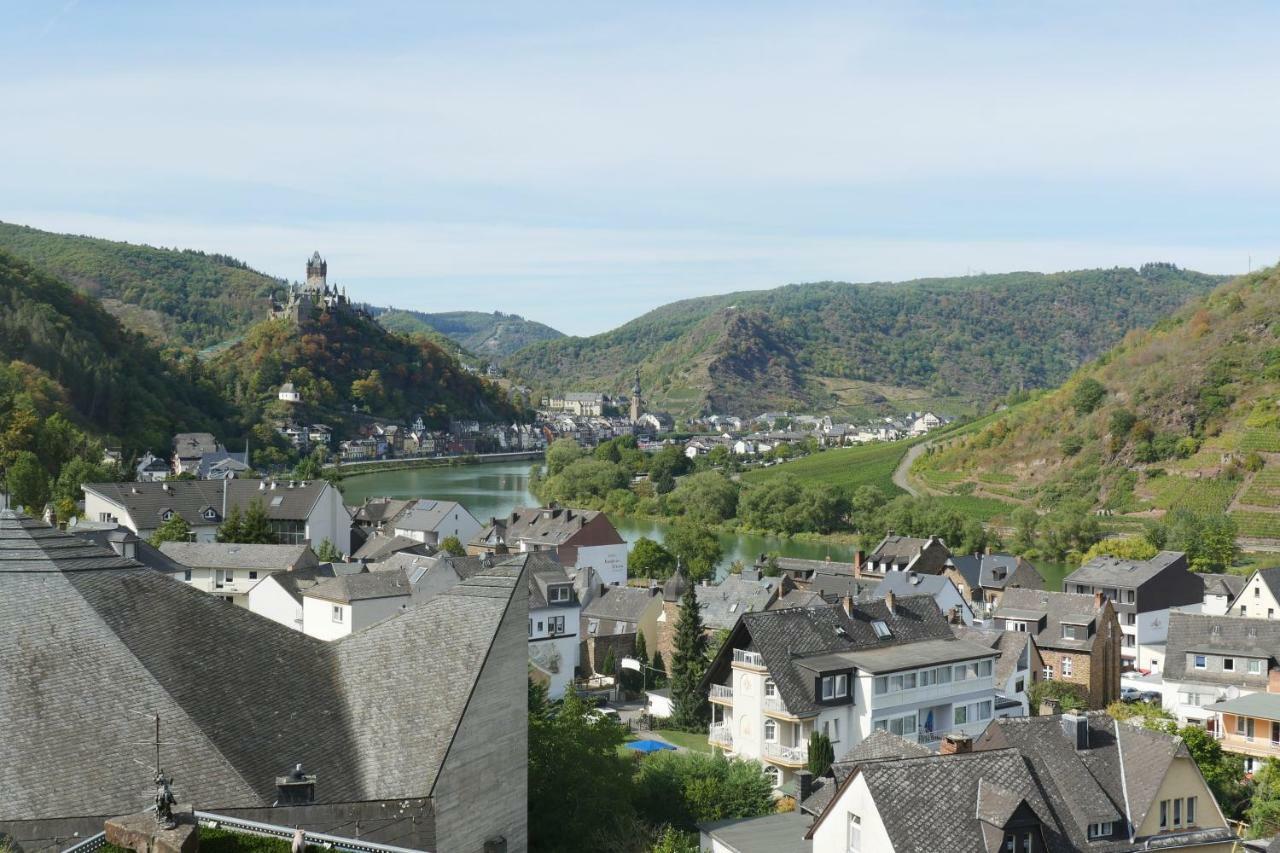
(317, 274)
(672, 591)
(635, 399)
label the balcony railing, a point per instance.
(721, 735)
(721, 693)
(798, 754)
(747, 658)
(774, 704)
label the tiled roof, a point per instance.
(1194, 632)
(228, 555)
(427, 515)
(363, 586)
(620, 604)
(550, 526)
(1114, 571)
(1055, 607)
(91, 640)
(1228, 585)
(724, 602)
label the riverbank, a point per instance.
(372, 466)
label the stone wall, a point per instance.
(594, 650)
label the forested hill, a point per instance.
(1183, 416)
(60, 352)
(175, 296)
(971, 338)
(347, 367)
(486, 335)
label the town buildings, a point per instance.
(554, 612)
(1078, 637)
(230, 570)
(581, 539)
(300, 512)
(1142, 592)
(1260, 596)
(431, 522)
(907, 554)
(846, 671)
(983, 578)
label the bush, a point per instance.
(683, 789)
(1087, 396)
(1071, 445)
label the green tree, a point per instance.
(649, 559)
(696, 548)
(688, 664)
(660, 668)
(821, 753)
(684, 789)
(641, 650)
(560, 453)
(1127, 548)
(610, 665)
(175, 529)
(580, 788)
(75, 472)
(1087, 396)
(1263, 814)
(672, 840)
(328, 553)
(28, 482)
(1026, 522)
(256, 528)
(232, 527)
(452, 545)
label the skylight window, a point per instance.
(881, 629)
(277, 500)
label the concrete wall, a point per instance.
(268, 598)
(832, 834)
(317, 619)
(482, 789)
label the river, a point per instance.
(494, 489)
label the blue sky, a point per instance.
(582, 163)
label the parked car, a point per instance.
(1149, 696)
(1130, 694)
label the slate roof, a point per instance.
(147, 554)
(299, 581)
(908, 583)
(380, 546)
(1115, 571)
(775, 833)
(798, 598)
(193, 445)
(898, 550)
(228, 555)
(833, 586)
(997, 571)
(1009, 645)
(364, 586)
(548, 526)
(804, 568)
(620, 604)
(785, 638)
(146, 502)
(1228, 585)
(375, 511)
(880, 745)
(221, 460)
(427, 515)
(1270, 577)
(1054, 607)
(724, 602)
(1194, 632)
(91, 640)
(545, 571)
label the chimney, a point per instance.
(857, 563)
(1048, 706)
(804, 779)
(1075, 725)
(1098, 600)
(956, 743)
(891, 601)
(846, 604)
(296, 788)
(953, 616)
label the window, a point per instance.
(881, 629)
(1130, 596)
(944, 675)
(1271, 613)
(962, 672)
(1071, 632)
(1019, 686)
(855, 833)
(770, 731)
(961, 715)
(1100, 830)
(1164, 814)
(231, 575)
(166, 515)
(1081, 588)
(835, 687)
(1239, 725)
(1066, 667)
(1243, 610)
(1255, 667)
(186, 576)
(908, 681)
(881, 685)
(253, 576)
(337, 613)
(1228, 664)
(1048, 673)
(1177, 811)
(905, 725)
(1201, 662)
(558, 593)
(1016, 626)
(831, 728)
(774, 774)
(555, 625)
(928, 677)
(1257, 592)
(593, 625)
(530, 627)
(1191, 810)
(984, 668)
(1131, 619)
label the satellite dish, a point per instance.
(1233, 692)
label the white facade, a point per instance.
(553, 644)
(608, 561)
(267, 598)
(852, 824)
(330, 520)
(750, 718)
(1255, 601)
(459, 523)
(332, 620)
(233, 585)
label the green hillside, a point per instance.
(1183, 416)
(833, 344)
(487, 335)
(60, 352)
(175, 296)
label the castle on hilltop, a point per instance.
(315, 294)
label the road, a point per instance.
(900, 478)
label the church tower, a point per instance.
(635, 399)
(317, 274)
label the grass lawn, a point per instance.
(849, 467)
(977, 508)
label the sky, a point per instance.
(579, 164)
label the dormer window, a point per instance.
(211, 514)
(167, 515)
(835, 687)
(1100, 830)
(881, 629)
(1073, 632)
(558, 593)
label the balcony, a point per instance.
(1258, 747)
(751, 660)
(774, 707)
(721, 736)
(787, 756)
(721, 693)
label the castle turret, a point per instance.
(317, 274)
(635, 399)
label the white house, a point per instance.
(554, 614)
(1260, 598)
(289, 394)
(300, 512)
(846, 671)
(431, 522)
(342, 605)
(581, 539)
(230, 570)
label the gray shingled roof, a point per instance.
(1031, 604)
(296, 583)
(1115, 571)
(775, 833)
(92, 641)
(1228, 585)
(724, 602)
(228, 555)
(543, 572)
(1194, 632)
(427, 515)
(785, 638)
(363, 586)
(379, 546)
(550, 526)
(1009, 645)
(620, 604)
(146, 502)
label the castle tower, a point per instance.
(317, 274)
(635, 399)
